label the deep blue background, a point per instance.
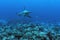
(42, 10)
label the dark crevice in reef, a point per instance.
(49, 35)
(18, 37)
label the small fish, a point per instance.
(24, 13)
(3, 22)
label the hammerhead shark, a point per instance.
(24, 13)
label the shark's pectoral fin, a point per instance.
(29, 16)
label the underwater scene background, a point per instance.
(42, 10)
(29, 19)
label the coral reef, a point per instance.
(29, 32)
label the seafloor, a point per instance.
(29, 31)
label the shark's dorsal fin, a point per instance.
(24, 8)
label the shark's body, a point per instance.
(24, 13)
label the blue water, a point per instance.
(42, 10)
